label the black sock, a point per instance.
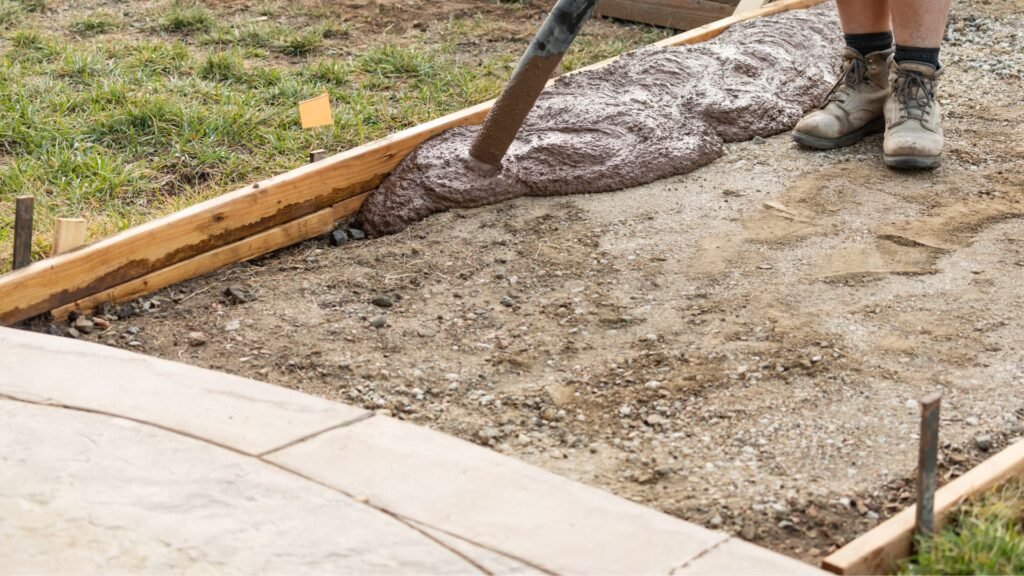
(868, 43)
(926, 55)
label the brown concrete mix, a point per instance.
(654, 113)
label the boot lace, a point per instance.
(854, 73)
(915, 94)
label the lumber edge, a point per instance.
(234, 216)
(880, 549)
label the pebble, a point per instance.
(196, 338)
(507, 302)
(983, 442)
(378, 322)
(972, 421)
(73, 333)
(238, 295)
(382, 301)
(424, 332)
(232, 325)
(84, 325)
(101, 323)
(654, 419)
(356, 234)
(338, 237)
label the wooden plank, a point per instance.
(265, 242)
(747, 5)
(68, 234)
(879, 550)
(56, 282)
(678, 14)
(24, 210)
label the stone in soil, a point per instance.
(383, 301)
(238, 295)
(196, 338)
(338, 237)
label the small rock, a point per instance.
(715, 521)
(758, 140)
(196, 339)
(356, 234)
(983, 442)
(338, 237)
(654, 419)
(972, 421)
(379, 322)
(84, 325)
(232, 325)
(424, 332)
(238, 295)
(73, 333)
(871, 515)
(382, 301)
(101, 323)
(507, 302)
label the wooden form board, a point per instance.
(879, 550)
(68, 234)
(678, 14)
(143, 250)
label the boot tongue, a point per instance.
(922, 68)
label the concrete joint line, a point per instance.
(311, 435)
(701, 554)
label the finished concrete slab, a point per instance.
(116, 462)
(476, 493)
(86, 493)
(242, 414)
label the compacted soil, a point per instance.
(742, 346)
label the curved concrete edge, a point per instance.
(241, 414)
(103, 495)
(501, 515)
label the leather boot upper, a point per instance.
(856, 99)
(912, 115)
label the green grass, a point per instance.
(95, 24)
(987, 537)
(122, 127)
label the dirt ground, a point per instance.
(741, 346)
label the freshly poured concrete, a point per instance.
(116, 462)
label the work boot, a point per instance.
(853, 108)
(913, 134)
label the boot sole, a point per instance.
(818, 143)
(912, 162)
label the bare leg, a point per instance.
(867, 16)
(919, 23)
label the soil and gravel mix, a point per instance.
(741, 346)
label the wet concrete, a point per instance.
(654, 113)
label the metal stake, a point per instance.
(527, 82)
(23, 211)
(927, 463)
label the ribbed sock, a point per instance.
(913, 53)
(868, 43)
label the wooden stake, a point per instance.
(879, 551)
(23, 213)
(234, 216)
(317, 155)
(68, 234)
(927, 464)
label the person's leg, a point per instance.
(853, 109)
(864, 16)
(918, 26)
(913, 131)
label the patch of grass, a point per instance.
(390, 60)
(33, 5)
(987, 537)
(95, 24)
(223, 67)
(10, 13)
(186, 19)
(301, 44)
